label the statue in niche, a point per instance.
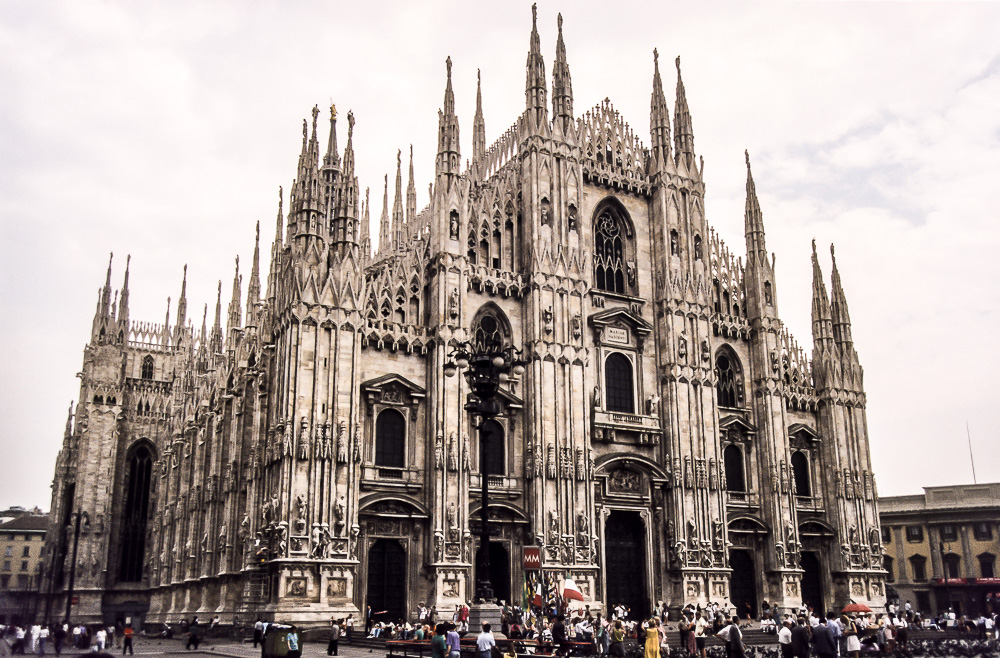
(551, 461)
(706, 351)
(597, 398)
(452, 452)
(223, 539)
(547, 320)
(342, 444)
(577, 325)
(553, 528)
(545, 212)
(438, 547)
(452, 515)
(572, 218)
(779, 555)
(453, 226)
(692, 533)
(630, 272)
(439, 451)
(680, 553)
(465, 454)
(581, 465)
(673, 243)
(453, 304)
(682, 348)
(653, 405)
(338, 516)
(286, 446)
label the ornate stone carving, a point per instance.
(622, 480)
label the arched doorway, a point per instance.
(499, 570)
(387, 580)
(812, 581)
(625, 553)
(742, 588)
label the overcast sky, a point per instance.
(163, 130)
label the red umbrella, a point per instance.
(856, 607)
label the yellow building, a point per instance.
(941, 548)
(22, 553)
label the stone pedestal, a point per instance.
(484, 613)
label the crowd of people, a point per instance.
(35, 639)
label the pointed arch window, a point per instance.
(618, 383)
(147, 367)
(490, 329)
(390, 439)
(729, 380)
(800, 471)
(735, 477)
(614, 268)
(135, 514)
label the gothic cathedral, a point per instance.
(668, 441)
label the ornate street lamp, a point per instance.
(487, 363)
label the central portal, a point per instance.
(625, 555)
(387, 580)
(499, 571)
(742, 585)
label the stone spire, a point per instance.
(411, 194)
(683, 133)
(449, 155)
(562, 85)
(838, 308)
(253, 288)
(216, 342)
(123, 302)
(534, 85)
(398, 230)
(754, 222)
(821, 319)
(659, 118)
(235, 310)
(344, 213)
(272, 276)
(366, 230)
(306, 199)
(384, 229)
(182, 303)
(478, 123)
(69, 421)
(331, 161)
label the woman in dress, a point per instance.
(652, 649)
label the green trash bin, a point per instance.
(276, 641)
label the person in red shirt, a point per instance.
(127, 640)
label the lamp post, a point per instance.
(944, 572)
(487, 364)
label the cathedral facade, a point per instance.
(668, 441)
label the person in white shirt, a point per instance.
(485, 642)
(785, 638)
(102, 637)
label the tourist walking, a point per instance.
(258, 632)
(485, 642)
(652, 646)
(439, 643)
(331, 647)
(293, 643)
(800, 639)
(824, 643)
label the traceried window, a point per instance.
(735, 477)
(147, 367)
(135, 514)
(390, 439)
(618, 383)
(490, 330)
(800, 469)
(613, 270)
(729, 376)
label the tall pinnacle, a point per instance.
(123, 300)
(478, 123)
(448, 163)
(534, 85)
(397, 203)
(683, 132)
(182, 301)
(332, 158)
(838, 307)
(562, 84)
(449, 93)
(411, 193)
(253, 288)
(384, 229)
(754, 221)
(821, 322)
(366, 231)
(659, 116)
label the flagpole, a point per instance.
(971, 458)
